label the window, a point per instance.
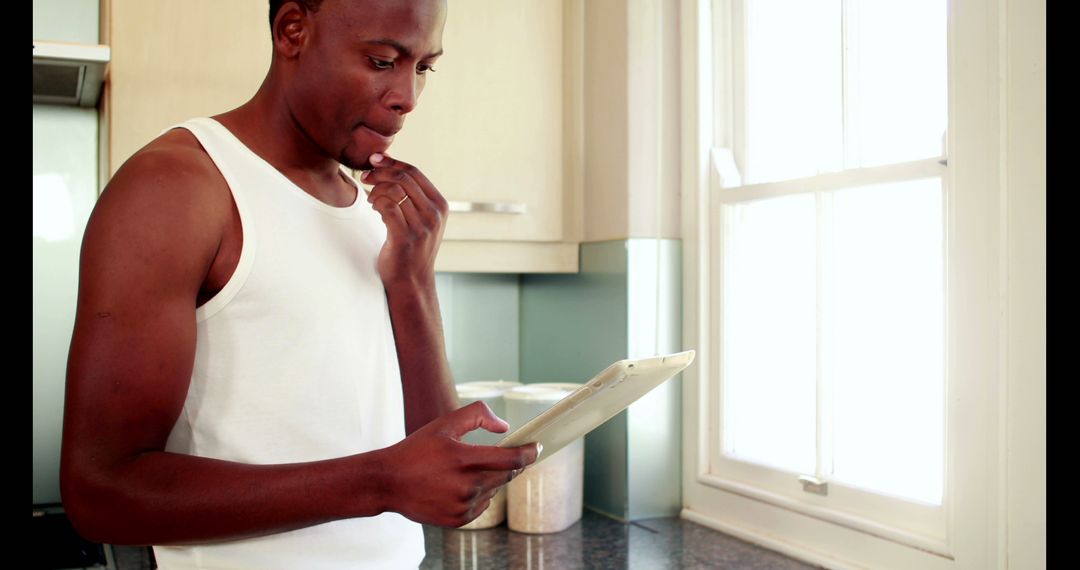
(830, 270)
(831, 289)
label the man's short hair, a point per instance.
(275, 5)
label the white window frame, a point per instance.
(904, 521)
(971, 520)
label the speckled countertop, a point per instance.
(597, 541)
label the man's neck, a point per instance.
(265, 125)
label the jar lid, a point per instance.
(542, 391)
(500, 385)
(465, 391)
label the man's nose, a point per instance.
(404, 92)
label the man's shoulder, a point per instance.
(174, 167)
(177, 152)
(170, 189)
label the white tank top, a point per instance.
(295, 361)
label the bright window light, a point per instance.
(54, 214)
(884, 338)
(794, 95)
(769, 351)
(897, 64)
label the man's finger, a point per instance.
(474, 416)
(385, 166)
(491, 458)
(490, 493)
(394, 193)
(392, 216)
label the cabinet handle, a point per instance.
(492, 207)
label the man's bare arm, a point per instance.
(427, 383)
(407, 268)
(147, 248)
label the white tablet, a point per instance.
(598, 400)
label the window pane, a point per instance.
(769, 314)
(794, 114)
(898, 68)
(884, 349)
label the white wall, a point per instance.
(631, 119)
(1025, 174)
(65, 189)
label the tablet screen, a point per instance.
(598, 400)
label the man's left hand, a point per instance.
(415, 216)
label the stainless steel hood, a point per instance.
(68, 73)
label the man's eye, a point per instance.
(381, 63)
(424, 68)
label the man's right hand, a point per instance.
(435, 478)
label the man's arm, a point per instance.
(147, 247)
(407, 268)
(427, 384)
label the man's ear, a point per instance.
(291, 29)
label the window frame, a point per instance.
(923, 526)
(974, 330)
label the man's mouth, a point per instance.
(384, 136)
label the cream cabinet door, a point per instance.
(488, 128)
(175, 60)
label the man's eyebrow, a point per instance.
(400, 48)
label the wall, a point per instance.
(1025, 173)
(572, 326)
(654, 423)
(481, 322)
(65, 188)
(66, 20)
(631, 120)
(624, 303)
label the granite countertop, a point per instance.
(597, 541)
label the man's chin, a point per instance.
(355, 164)
(361, 162)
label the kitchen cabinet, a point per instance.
(175, 60)
(497, 130)
(497, 124)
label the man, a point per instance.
(253, 341)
